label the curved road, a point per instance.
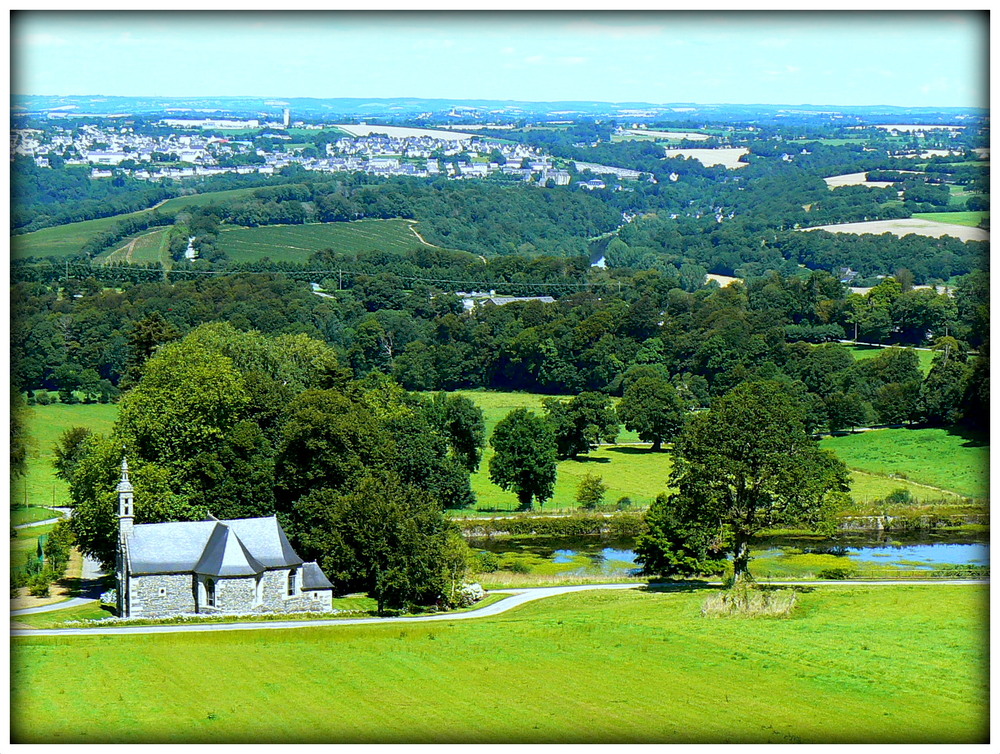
(519, 597)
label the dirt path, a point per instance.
(422, 239)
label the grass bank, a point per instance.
(876, 665)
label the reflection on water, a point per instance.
(618, 557)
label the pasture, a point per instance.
(860, 353)
(45, 424)
(905, 227)
(146, 247)
(969, 219)
(65, 240)
(900, 664)
(944, 458)
(296, 243)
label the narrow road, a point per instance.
(519, 597)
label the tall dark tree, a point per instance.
(744, 466)
(651, 407)
(524, 459)
(581, 423)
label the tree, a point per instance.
(384, 537)
(19, 439)
(590, 491)
(524, 460)
(580, 424)
(72, 446)
(651, 407)
(461, 422)
(942, 391)
(744, 466)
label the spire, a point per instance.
(124, 485)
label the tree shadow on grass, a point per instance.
(589, 459)
(973, 438)
(631, 451)
(76, 586)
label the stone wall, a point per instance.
(146, 599)
(275, 589)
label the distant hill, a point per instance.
(465, 110)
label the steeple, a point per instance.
(125, 500)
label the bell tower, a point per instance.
(126, 513)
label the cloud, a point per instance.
(534, 59)
(572, 60)
(41, 39)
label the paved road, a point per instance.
(519, 597)
(91, 572)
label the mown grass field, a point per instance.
(295, 243)
(861, 353)
(45, 425)
(901, 664)
(146, 247)
(27, 542)
(971, 219)
(937, 457)
(64, 240)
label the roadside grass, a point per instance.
(21, 515)
(56, 618)
(901, 664)
(951, 459)
(861, 353)
(971, 219)
(45, 424)
(296, 243)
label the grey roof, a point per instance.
(225, 555)
(314, 578)
(236, 547)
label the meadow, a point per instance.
(66, 240)
(945, 458)
(296, 243)
(970, 219)
(926, 357)
(900, 664)
(150, 246)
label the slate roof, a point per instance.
(314, 578)
(237, 547)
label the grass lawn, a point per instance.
(902, 664)
(869, 352)
(45, 425)
(971, 219)
(950, 459)
(26, 542)
(296, 243)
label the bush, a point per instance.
(835, 574)
(623, 503)
(590, 492)
(486, 562)
(38, 585)
(109, 597)
(43, 398)
(468, 594)
(899, 496)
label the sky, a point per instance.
(905, 58)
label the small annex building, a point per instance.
(244, 565)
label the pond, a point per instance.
(771, 557)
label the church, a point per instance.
(212, 567)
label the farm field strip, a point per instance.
(904, 227)
(970, 219)
(303, 240)
(854, 664)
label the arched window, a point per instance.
(291, 582)
(210, 592)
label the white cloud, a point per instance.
(41, 39)
(572, 60)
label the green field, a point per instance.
(937, 457)
(150, 246)
(869, 352)
(27, 542)
(901, 664)
(45, 425)
(296, 243)
(65, 240)
(971, 219)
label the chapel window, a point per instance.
(210, 592)
(291, 582)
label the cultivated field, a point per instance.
(728, 157)
(675, 135)
(146, 247)
(904, 227)
(937, 457)
(900, 664)
(856, 179)
(296, 243)
(64, 240)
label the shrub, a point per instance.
(517, 566)
(38, 585)
(109, 597)
(43, 398)
(899, 496)
(837, 573)
(623, 503)
(467, 594)
(744, 601)
(590, 492)
(486, 562)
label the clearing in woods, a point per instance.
(905, 227)
(296, 243)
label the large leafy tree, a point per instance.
(745, 465)
(581, 423)
(651, 407)
(524, 459)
